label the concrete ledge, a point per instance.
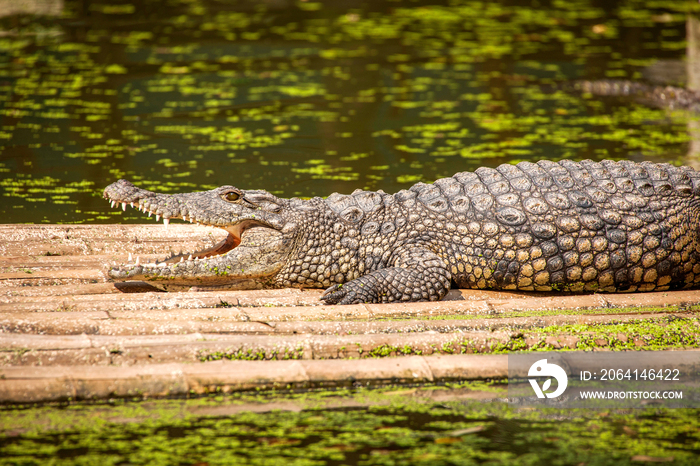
(56, 383)
(323, 340)
(68, 333)
(143, 308)
(211, 321)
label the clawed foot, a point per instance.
(390, 285)
(340, 294)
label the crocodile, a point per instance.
(671, 97)
(571, 226)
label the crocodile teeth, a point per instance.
(184, 217)
(189, 258)
(166, 222)
(138, 260)
(182, 259)
(162, 264)
(124, 206)
(112, 203)
(130, 258)
(132, 205)
(157, 218)
(149, 213)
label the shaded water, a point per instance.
(390, 427)
(306, 98)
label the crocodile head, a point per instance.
(257, 245)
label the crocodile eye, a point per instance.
(232, 196)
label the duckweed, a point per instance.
(392, 425)
(244, 96)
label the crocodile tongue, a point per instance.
(227, 244)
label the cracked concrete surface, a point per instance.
(66, 332)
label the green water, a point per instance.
(306, 98)
(391, 426)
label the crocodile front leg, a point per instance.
(417, 275)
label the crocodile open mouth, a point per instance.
(228, 244)
(232, 240)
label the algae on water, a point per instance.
(419, 425)
(381, 94)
